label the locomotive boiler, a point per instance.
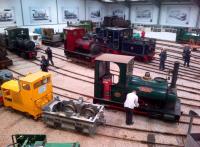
(18, 41)
(80, 45)
(157, 97)
(4, 60)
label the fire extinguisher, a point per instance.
(107, 82)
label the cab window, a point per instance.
(26, 86)
(42, 82)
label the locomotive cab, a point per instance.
(28, 94)
(157, 98)
(18, 40)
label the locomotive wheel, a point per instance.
(95, 49)
(88, 112)
(69, 108)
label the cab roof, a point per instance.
(11, 85)
(115, 58)
(73, 28)
(34, 76)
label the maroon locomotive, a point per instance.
(79, 45)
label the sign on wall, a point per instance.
(178, 15)
(7, 16)
(144, 14)
(95, 14)
(118, 12)
(69, 14)
(40, 15)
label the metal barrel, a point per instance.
(175, 74)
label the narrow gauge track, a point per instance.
(87, 96)
(194, 60)
(64, 59)
(146, 68)
(195, 69)
(92, 82)
(122, 137)
(174, 48)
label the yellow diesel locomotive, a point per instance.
(28, 94)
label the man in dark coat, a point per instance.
(49, 55)
(163, 57)
(44, 64)
(186, 56)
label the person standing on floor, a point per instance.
(44, 64)
(130, 103)
(163, 57)
(186, 56)
(49, 55)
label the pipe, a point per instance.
(175, 74)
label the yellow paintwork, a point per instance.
(28, 94)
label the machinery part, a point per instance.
(95, 49)
(25, 44)
(69, 108)
(175, 74)
(85, 118)
(159, 79)
(88, 112)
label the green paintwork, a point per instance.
(87, 25)
(13, 33)
(183, 35)
(159, 89)
(62, 145)
(31, 140)
(136, 35)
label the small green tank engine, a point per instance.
(157, 97)
(183, 35)
(18, 41)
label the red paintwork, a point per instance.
(32, 54)
(143, 34)
(72, 35)
(74, 41)
(84, 44)
(107, 82)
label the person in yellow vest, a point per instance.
(130, 103)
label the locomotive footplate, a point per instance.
(74, 115)
(81, 57)
(53, 43)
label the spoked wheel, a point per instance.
(88, 112)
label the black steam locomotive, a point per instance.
(18, 40)
(4, 60)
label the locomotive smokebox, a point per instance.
(175, 74)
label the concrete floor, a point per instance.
(13, 122)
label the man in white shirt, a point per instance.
(130, 103)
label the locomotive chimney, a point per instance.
(175, 74)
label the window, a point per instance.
(42, 82)
(26, 86)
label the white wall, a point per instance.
(192, 16)
(111, 7)
(92, 4)
(6, 4)
(77, 4)
(154, 11)
(27, 4)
